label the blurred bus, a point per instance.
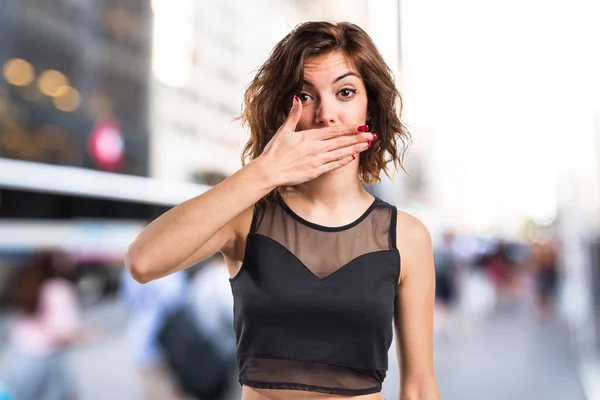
(91, 215)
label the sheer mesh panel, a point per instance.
(301, 375)
(310, 242)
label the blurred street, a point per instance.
(509, 356)
(506, 356)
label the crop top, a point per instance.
(314, 305)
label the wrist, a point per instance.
(266, 174)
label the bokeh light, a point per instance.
(18, 72)
(68, 100)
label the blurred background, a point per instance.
(113, 111)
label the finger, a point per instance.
(345, 152)
(339, 130)
(330, 166)
(345, 141)
(293, 116)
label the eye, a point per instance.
(347, 93)
(304, 96)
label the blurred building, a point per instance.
(73, 93)
(75, 83)
(74, 129)
(578, 223)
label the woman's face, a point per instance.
(333, 93)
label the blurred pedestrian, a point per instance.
(445, 270)
(148, 308)
(45, 324)
(212, 304)
(500, 268)
(445, 282)
(198, 340)
(544, 256)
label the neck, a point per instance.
(338, 188)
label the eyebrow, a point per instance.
(339, 78)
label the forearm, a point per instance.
(426, 390)
(173, 237)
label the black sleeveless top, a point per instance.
(314, 305)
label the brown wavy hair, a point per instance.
(268, 97)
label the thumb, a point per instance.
(294, 115)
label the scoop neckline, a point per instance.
(323, 228)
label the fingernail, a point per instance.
(353, 157)
(363, 128)
(296, 98)
(369, 144)
(374, 136)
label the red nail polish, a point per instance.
(374, 136)
(363, 128)
(353, 157)
(369, 144)
(296, 98)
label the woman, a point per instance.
(45, 324)
(314, 259)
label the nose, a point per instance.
(326, 113)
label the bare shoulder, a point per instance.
(410, 229)
(414, 243)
